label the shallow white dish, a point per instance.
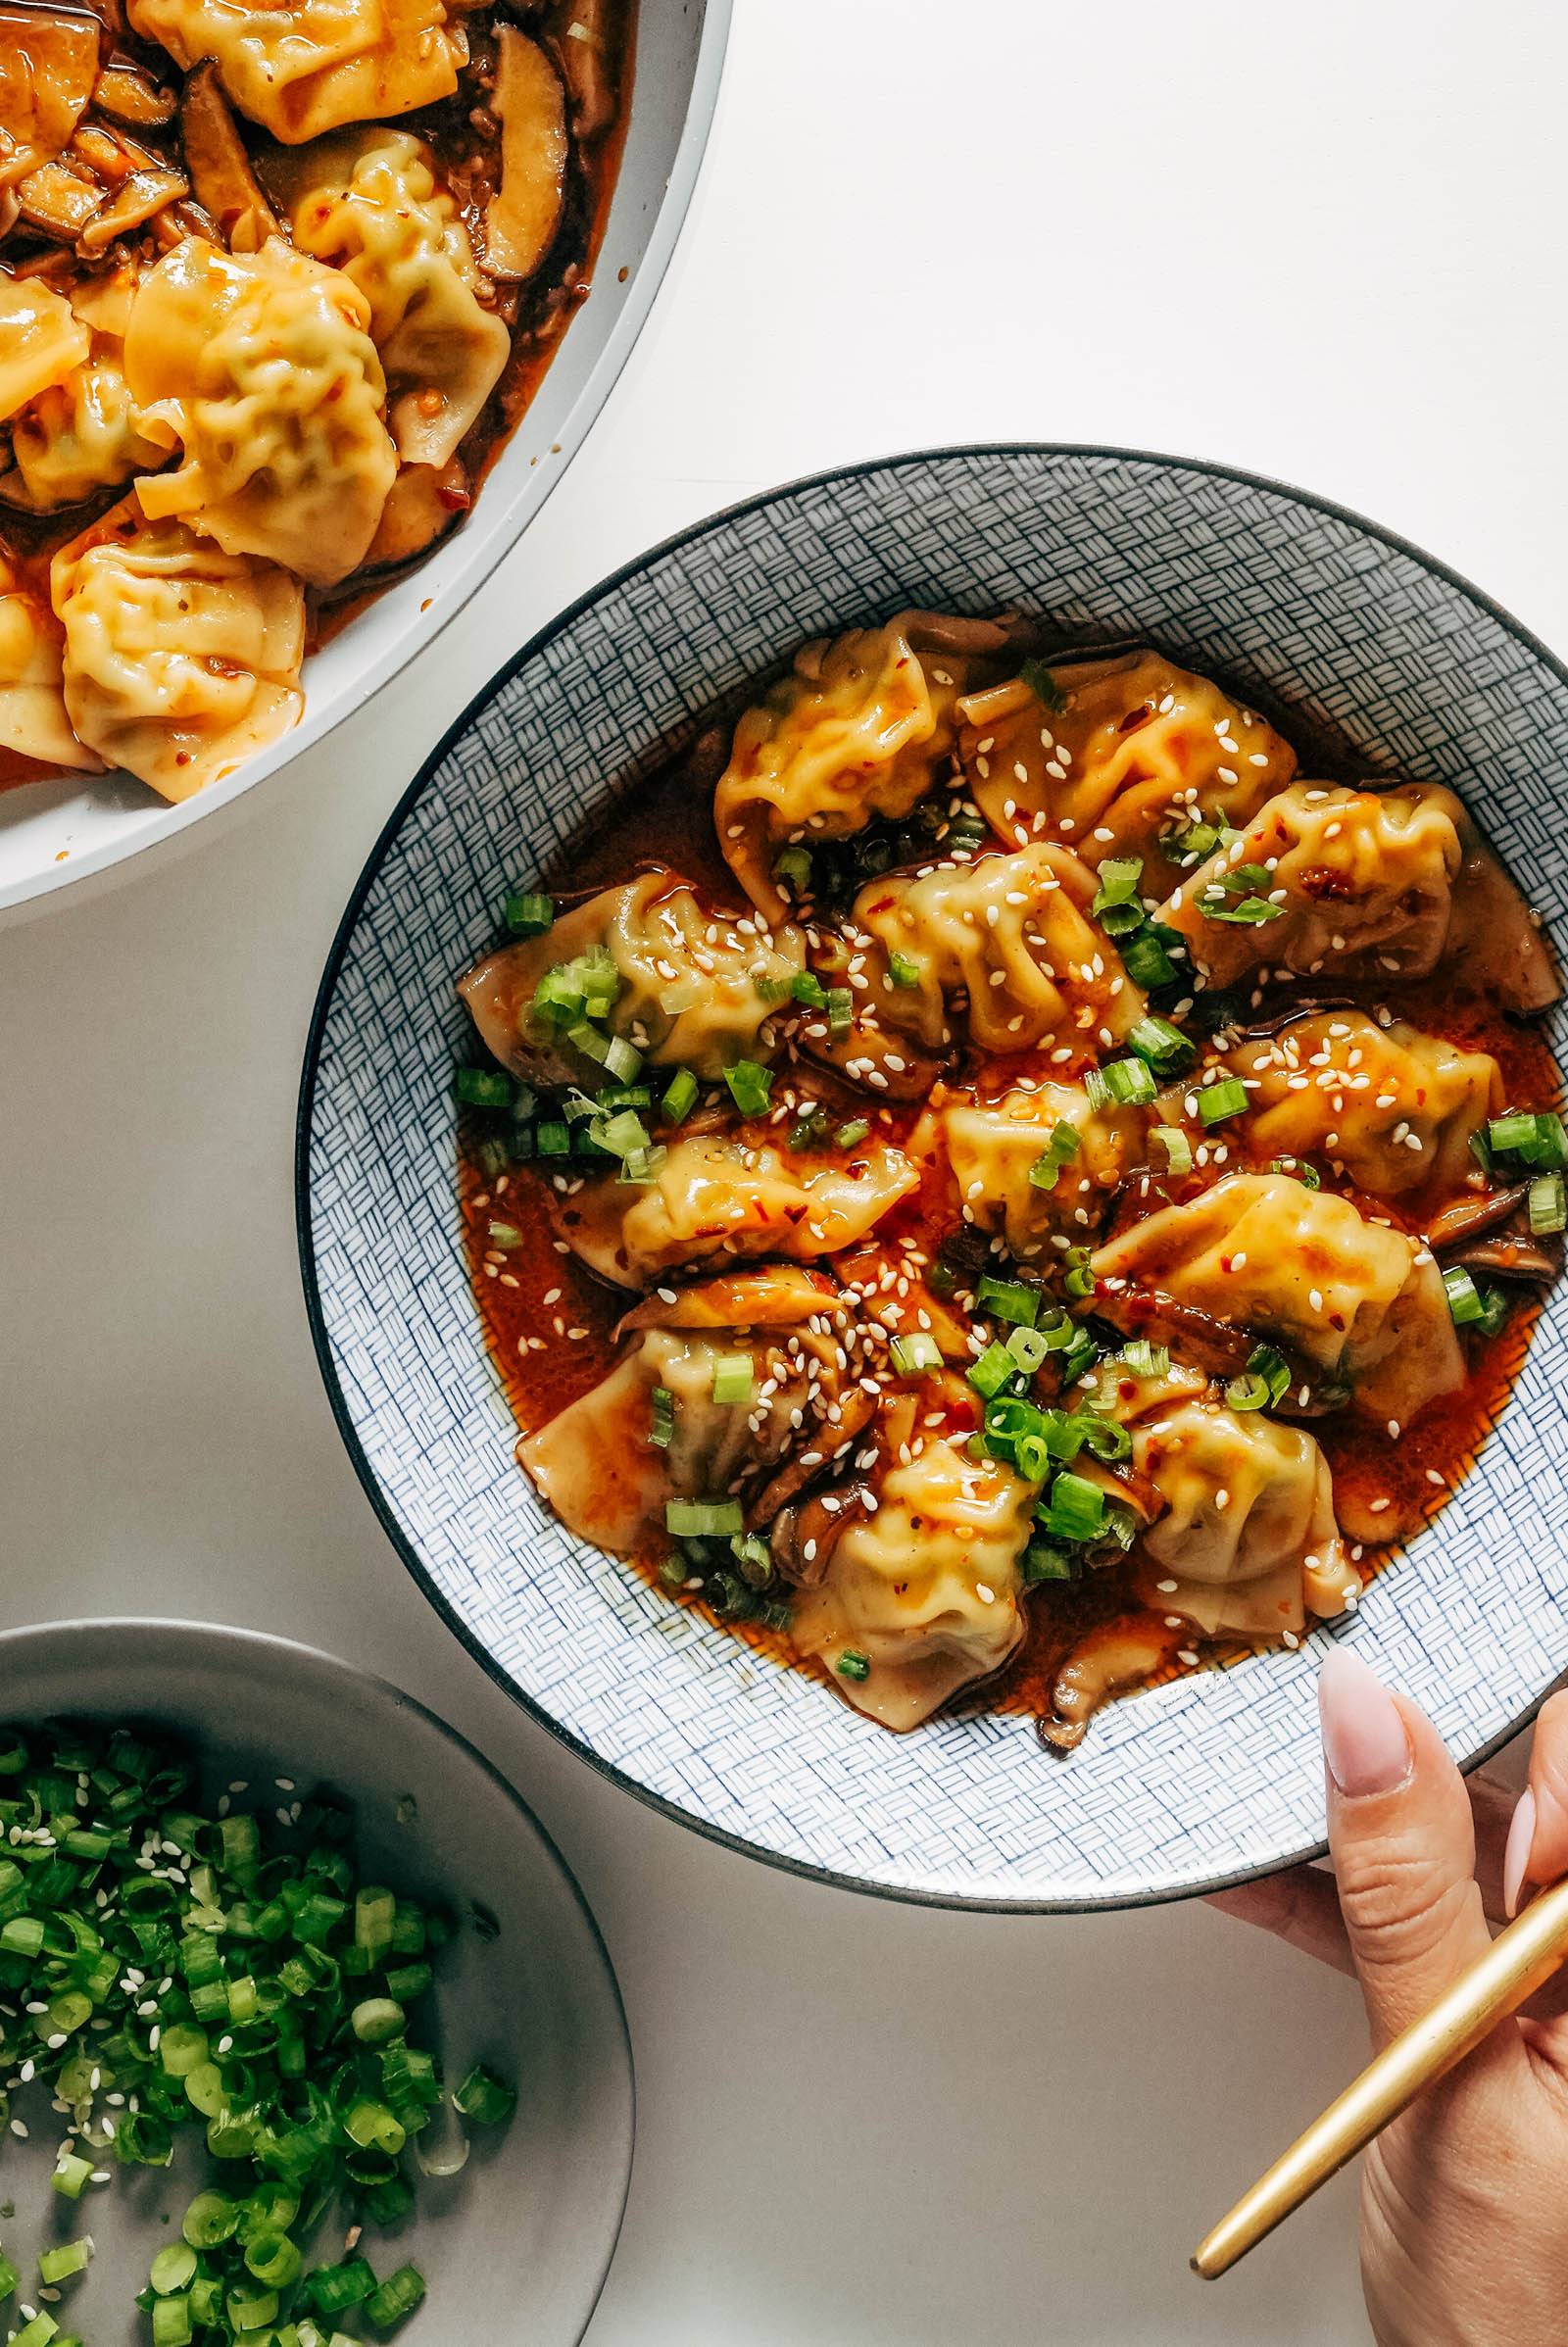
(55, 835)
(530, 2223)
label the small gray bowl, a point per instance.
(520, 2241)
(1351, 638)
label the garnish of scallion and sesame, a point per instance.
(174, 1972)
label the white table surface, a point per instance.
(1323, 243)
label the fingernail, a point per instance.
(1364, 1741)
(1516, 1857)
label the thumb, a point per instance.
(1537, 1838)
(1403, 1846)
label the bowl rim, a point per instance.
(721, 517)
(290, 1656)
(491, 544)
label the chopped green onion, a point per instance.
(807, 988)
(334, 2289)
(1146, 960)
(642, 1165)
(504, 1234)
(1079, 1280)
(915, 1354)
(1103, 1439)
(734, 1380)
(555, 1140)
(703, 1518)
(1495, 1309)
(680, 1096)
(1097, 1089)
(850, 1136)
(794, 864)
(851, 1665)
(1042, 1560)
(1059, 1150)
(1165, 1047)
(1217, 1101)
(748, 1086)
(172, 2327)
(904, 970)
(1145, 1360)
(995, 1369)
(1029, 1347)
(8, 2275)
(1298, 1171)
(753, 1559)
(1547, 1204)
(1464, 1300)
(662, 1432)
(72, 2176)
(1008, 1300)
(172, 2268)
(810, 1129)
(1200, 841)
(1129, 1083)
(1043, 686)
(1177, 1148)
(1538, 1138)
(840, 1009)
(72, 2257)
(1076, 1509)
(1118, 878)
(483, 1088)
(530, 914)
(771, 990)
(484, 2098)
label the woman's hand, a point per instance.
(1464, 2199)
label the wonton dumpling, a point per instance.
(656, 931)
(81, 436)
(856, 730)
(1370, 884)
(1247, 1531)
(608, 1482)
(1363, 1302)
(261, 366)
(42, 341)
(179, 661)
(302, 67)
(1142, 750)
(715, 1195)
(1009, 933)
(33, 723)
(994, 1146)
(927, 1589)
(1397, 1108)
(370, 204)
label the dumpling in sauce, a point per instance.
(926, 1592)
(1002, 951)
(33, 723)
(1375, 885)
(42, 341)
(715, 1195)
(859, 728)
(597, 1464)
(369, 204)
(259, 365)
(81, 436)
(1397, 1108)
(696, 988)
(302, 67)
(1247, 1531)
(179, 661)
(1035, 1162)
(1126, 755)
(1364, 1302)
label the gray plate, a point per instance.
(1348, 634)
(529, 2228)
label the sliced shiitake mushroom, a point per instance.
(140, 196)
(425, 501)
(587, 50)
(220, 173)
(58, 201)
(1118, 1654)
(127, 95)
(523, 214)
(1470, 1218)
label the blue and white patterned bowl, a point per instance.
(1204, 1780)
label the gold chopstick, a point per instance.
(1519, 1960)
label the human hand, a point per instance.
(1465, 2199)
